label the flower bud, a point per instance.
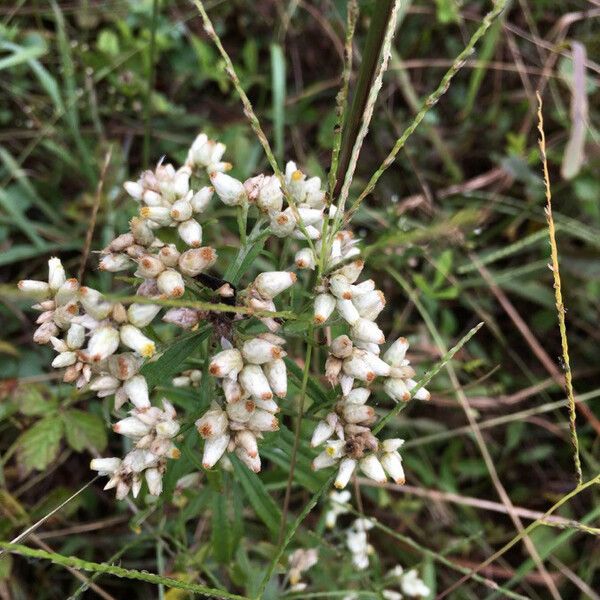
(396, 389)
(270, 196)
(141, 231)
(75, 336)
(253, 380)
(150, 267)
(230, 190)
(213, 423)
(378, 366)
(392, 463)
(322, 461)
(351, 271)
(94, 303)
(305, 259)
(324, 307)
(120, 243)
(333, 368)
(133, 338)
(340, 287)
(103, 342)
(113, 263)
(124, 366)
(134, 189)
(253, 463)
(181, 210)
(231, 389)
(392, 444)
(356, 366)
(67, 292)
(64, 359)
(167, 429)
(369, 305)
(283, 223)
(276, 373)
(201, 199)
(161, 215)
(258, 351)
(357, 396)
(105, 466)
(136, 389)
(341, 346)
(154, 481)
(44, 332)
(227, 363)
(33, 288)
(262, 420)
(396, 353)
(272, 283)
(240, 411)
(358, 413)
(214, 448)
(323, 431)
(56, 273)
(372, 468)
(309, 216)
(131, 427)
(367, 331)
(247, 440)
(348, 311)
(309, 232)
(170, 282)
(190, 232)
(421, 393)
(347, 466)
(193, 262)
(141, 315)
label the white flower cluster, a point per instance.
(251, 377)
(358, 544)
(152, 431)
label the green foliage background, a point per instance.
(455, 234)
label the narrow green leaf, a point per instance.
(259, 498)
(10, 201)
(20, 56)
(221, 536)
(278, 87)
(171, 361)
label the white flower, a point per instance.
(324, 307)
(230, 190)
(133, 338)
(272, 283)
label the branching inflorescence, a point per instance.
(102, 345)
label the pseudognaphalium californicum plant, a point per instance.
(102, 344)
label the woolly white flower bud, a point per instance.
(340, 287)
(322, 461)
(253, 463)
(347, 466)
(94, 303)
(213, 423)
(170, 282)
(150, 267)
(64, 359)
(351, 271)
(372, 468)
(168, 428)
(141, 231)
(67, 292)
(240, 411)
(258, 351)
(341, 346)
(214, 448)
(262, 420)
(253, 380)
(310, 216)
(378, 366)
(357, 413)
(192, 262)
(367, 331)
(357, 367)
(105, 466)
(421, 393)
(56, 274)
(310, 232)
(396, 389)
(272, 283)
(230, 190)
(231, 389)
(392, 463)
(190, 232)
(348, 311)
(181, 210)
(357, 396)
(133, 338)
(75, 336)
(305, 259)
(227, 363)
(154, 481)
(396, 353)
(324, 307)
(141, 315)
(136, 389)
(270, 196)
(201, 199)
(131, 427)
(247, 440)
(369, 305)
(323, 431)
(103, 342)
(283, 223)
(186, 318)
(276, 373)
(33, 288)
(134, 189)
(161, 215)
(113, 263)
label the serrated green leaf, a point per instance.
(84, 430)
(264, 506)
(170, 362)
(38, 446)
